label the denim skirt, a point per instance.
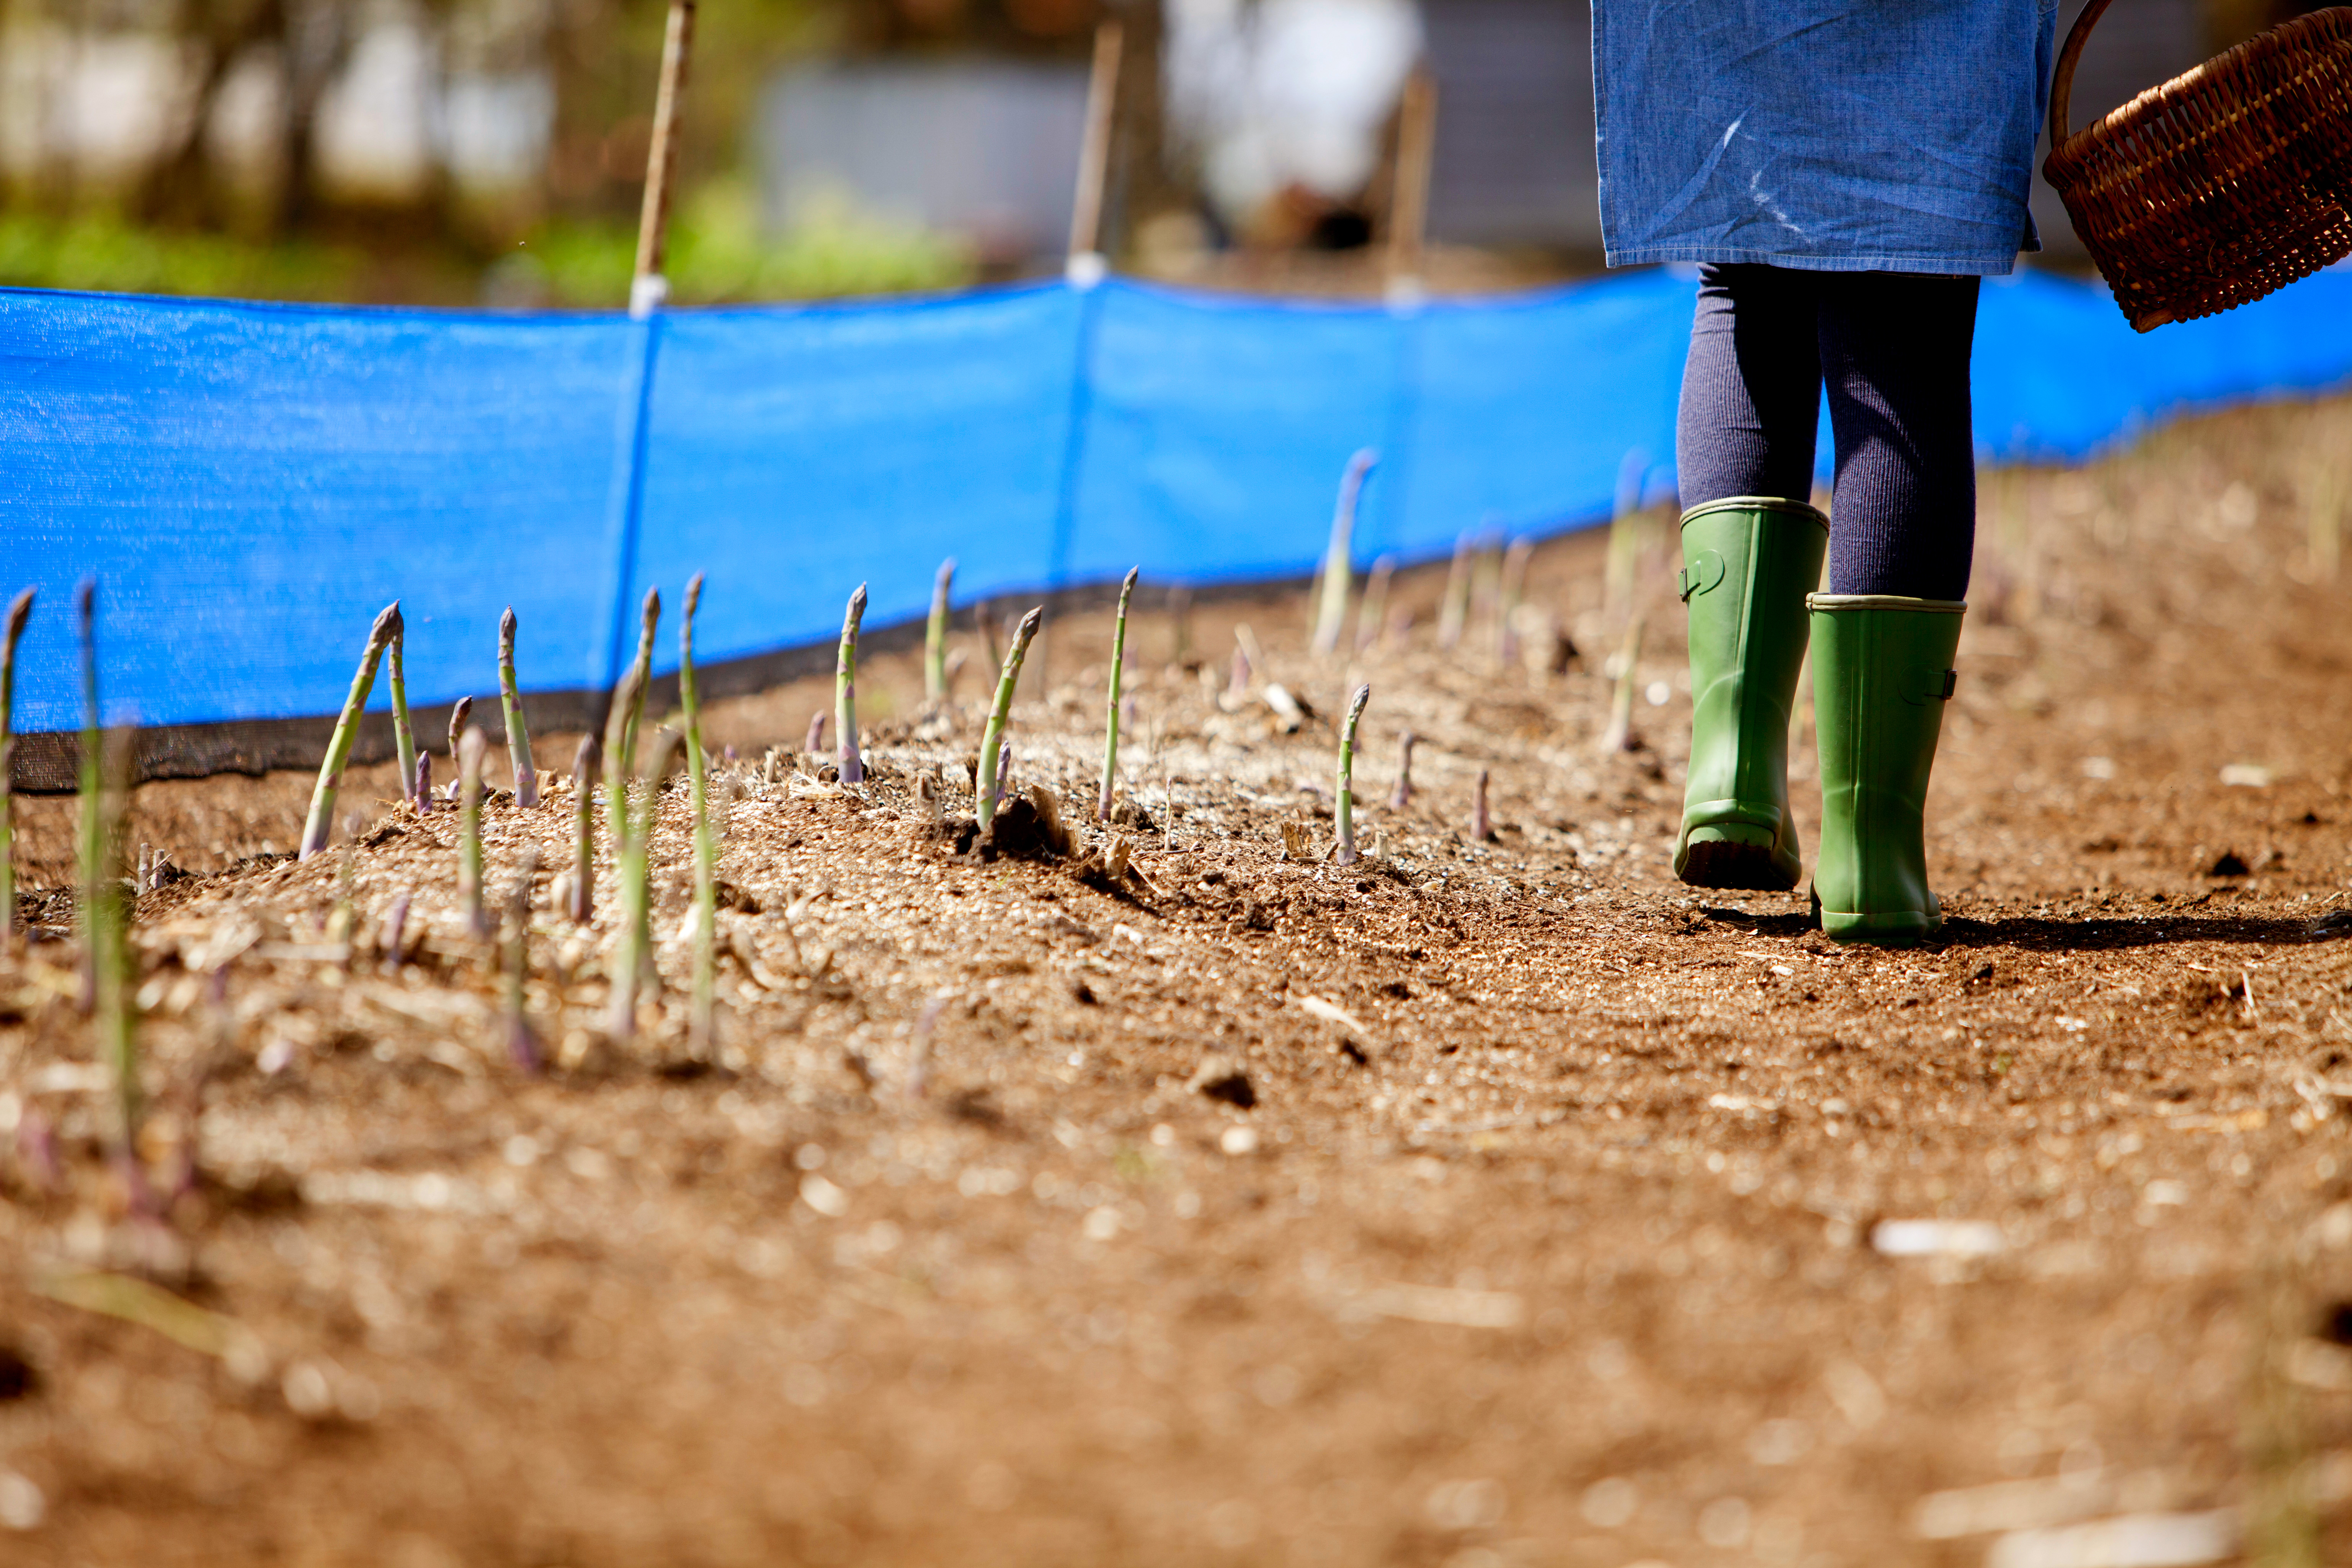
(1835, 135)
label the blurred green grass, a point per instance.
(719, 253)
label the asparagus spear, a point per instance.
(522, 1045)
(404, 738)
(621, 721)
(1343, 809)
(1337, 561)
(105, 911)
(1453, 610)
(935, 639)
(706, 846)
(20, 610)
(458, 712)
(992, 740)
(1402, 797)
(320, 823)
(845, 690)
(1118, 668)
(526, 777)
(1482, 825)
(1372, 616)
(632, 949)
(470, 747)
(583, 830)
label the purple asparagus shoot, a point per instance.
(704, 1019)
(1337, 560)
(1237, 684)
(526, 777)
(845, 690)
(462, 710)
(583, 830)
(1117, 667)
(320, 823)
(992, 740)
(1401, 796)
(20, 610)
(1343, 798)
(470, 747)
(1481, 827)
(423, 799)
(816, 733)
(396, 931)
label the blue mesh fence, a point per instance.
(250, 483)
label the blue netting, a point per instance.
(250, 483)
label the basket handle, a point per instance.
(2062, 85)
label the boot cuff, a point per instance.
(1834, 602)
(1759, 504)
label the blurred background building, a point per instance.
(491, 150)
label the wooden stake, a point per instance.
(1086, 262)
(648, 287)
(1409, 209)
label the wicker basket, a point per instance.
(2224, 183)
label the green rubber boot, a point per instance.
(1881, 674)
(1747, 563)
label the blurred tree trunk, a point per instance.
(177, 186)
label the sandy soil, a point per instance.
(1487, 1202)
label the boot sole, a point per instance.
(1721, 863)
(1904, 928)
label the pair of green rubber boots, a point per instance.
(1882, 673)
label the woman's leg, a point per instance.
(1751, 387)
(1751, 550)
(1895, 353)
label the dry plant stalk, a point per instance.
(935, 635)
(1371, 615)
(404, 736)
(105, 906)
(992, 740)
(1117, 668)
(1337, 578)
(704, 1037)
(526, 777)
(20, 610)
(845, 690)
(320, 823)
(583, 829)
(470, 747)
(1453, 610)
(1343, 804)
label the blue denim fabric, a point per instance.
(1834, 135)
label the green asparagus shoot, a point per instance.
(621, 718)
(460, 711)
(632, 963)
(404, 738)
(105, 902)
(20, 610)
(1343, 807)
(1515, 588)
(583, 831)
(992, 740)
(320, 823)
(1117, 668)
(1331, 620)
(1618, 736)
(705, 845)
(1453, 610)
(935, 638)
(526, 777)
(522, 1045)
(845, 690)
(470, 747)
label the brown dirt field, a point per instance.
(1566, 1250)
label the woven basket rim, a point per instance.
(2331, 30)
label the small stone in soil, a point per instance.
(1221, 1078)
